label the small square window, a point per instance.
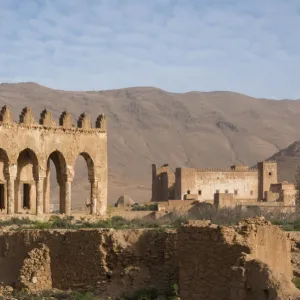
(270, 173)
(188, 191)
(235, 192)
(199, 192)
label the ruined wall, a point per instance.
(28, 146)
(35, 274)
(111, 261)
(268, 207)
(284, 192)
(204, 183)
(245, 262)
(163, 180)
(223, 262)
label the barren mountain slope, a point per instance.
(147, 125)
(288, 160)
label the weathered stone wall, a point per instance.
(113, 261)
(245, 184)
(203, 183)
(268, 175)
(163, 180)
(27, 147)
(245, 262)
(222, 262)
(35, 274)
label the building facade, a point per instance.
(244, 184)
(26, 150)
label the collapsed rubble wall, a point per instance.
(249, 261)
(115, 262)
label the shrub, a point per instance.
(145, 207)
(296, 281)
(82, 296)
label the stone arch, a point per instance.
(90, 198)
(60, 164)
(25, 185)
(90, 164)
(4, 161)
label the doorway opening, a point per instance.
(2, 196)
(26, 195)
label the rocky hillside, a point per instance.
(149, 125)
(288, 160)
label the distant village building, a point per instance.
(236, 185)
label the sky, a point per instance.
(246, 46)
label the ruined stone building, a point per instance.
(238, 184)
(26, 150)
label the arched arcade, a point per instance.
(26, 150)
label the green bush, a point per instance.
(16, 221)
(296, 281)
(145, 207)
(82, 296)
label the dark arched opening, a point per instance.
(25, 187)
(54, 185)
(81, 185)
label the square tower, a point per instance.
(267, 175)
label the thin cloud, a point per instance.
(250, 47)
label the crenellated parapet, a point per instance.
(65, 121)
(229, 170)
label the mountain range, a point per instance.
(148, 125)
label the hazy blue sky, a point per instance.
(247, 46)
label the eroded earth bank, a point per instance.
(251, 260)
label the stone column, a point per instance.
(68, 178)
(47, 190)
(102, 192)
(68, 187)
(11, 175)
(40, 196)
(94, 196)
(11, 196)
